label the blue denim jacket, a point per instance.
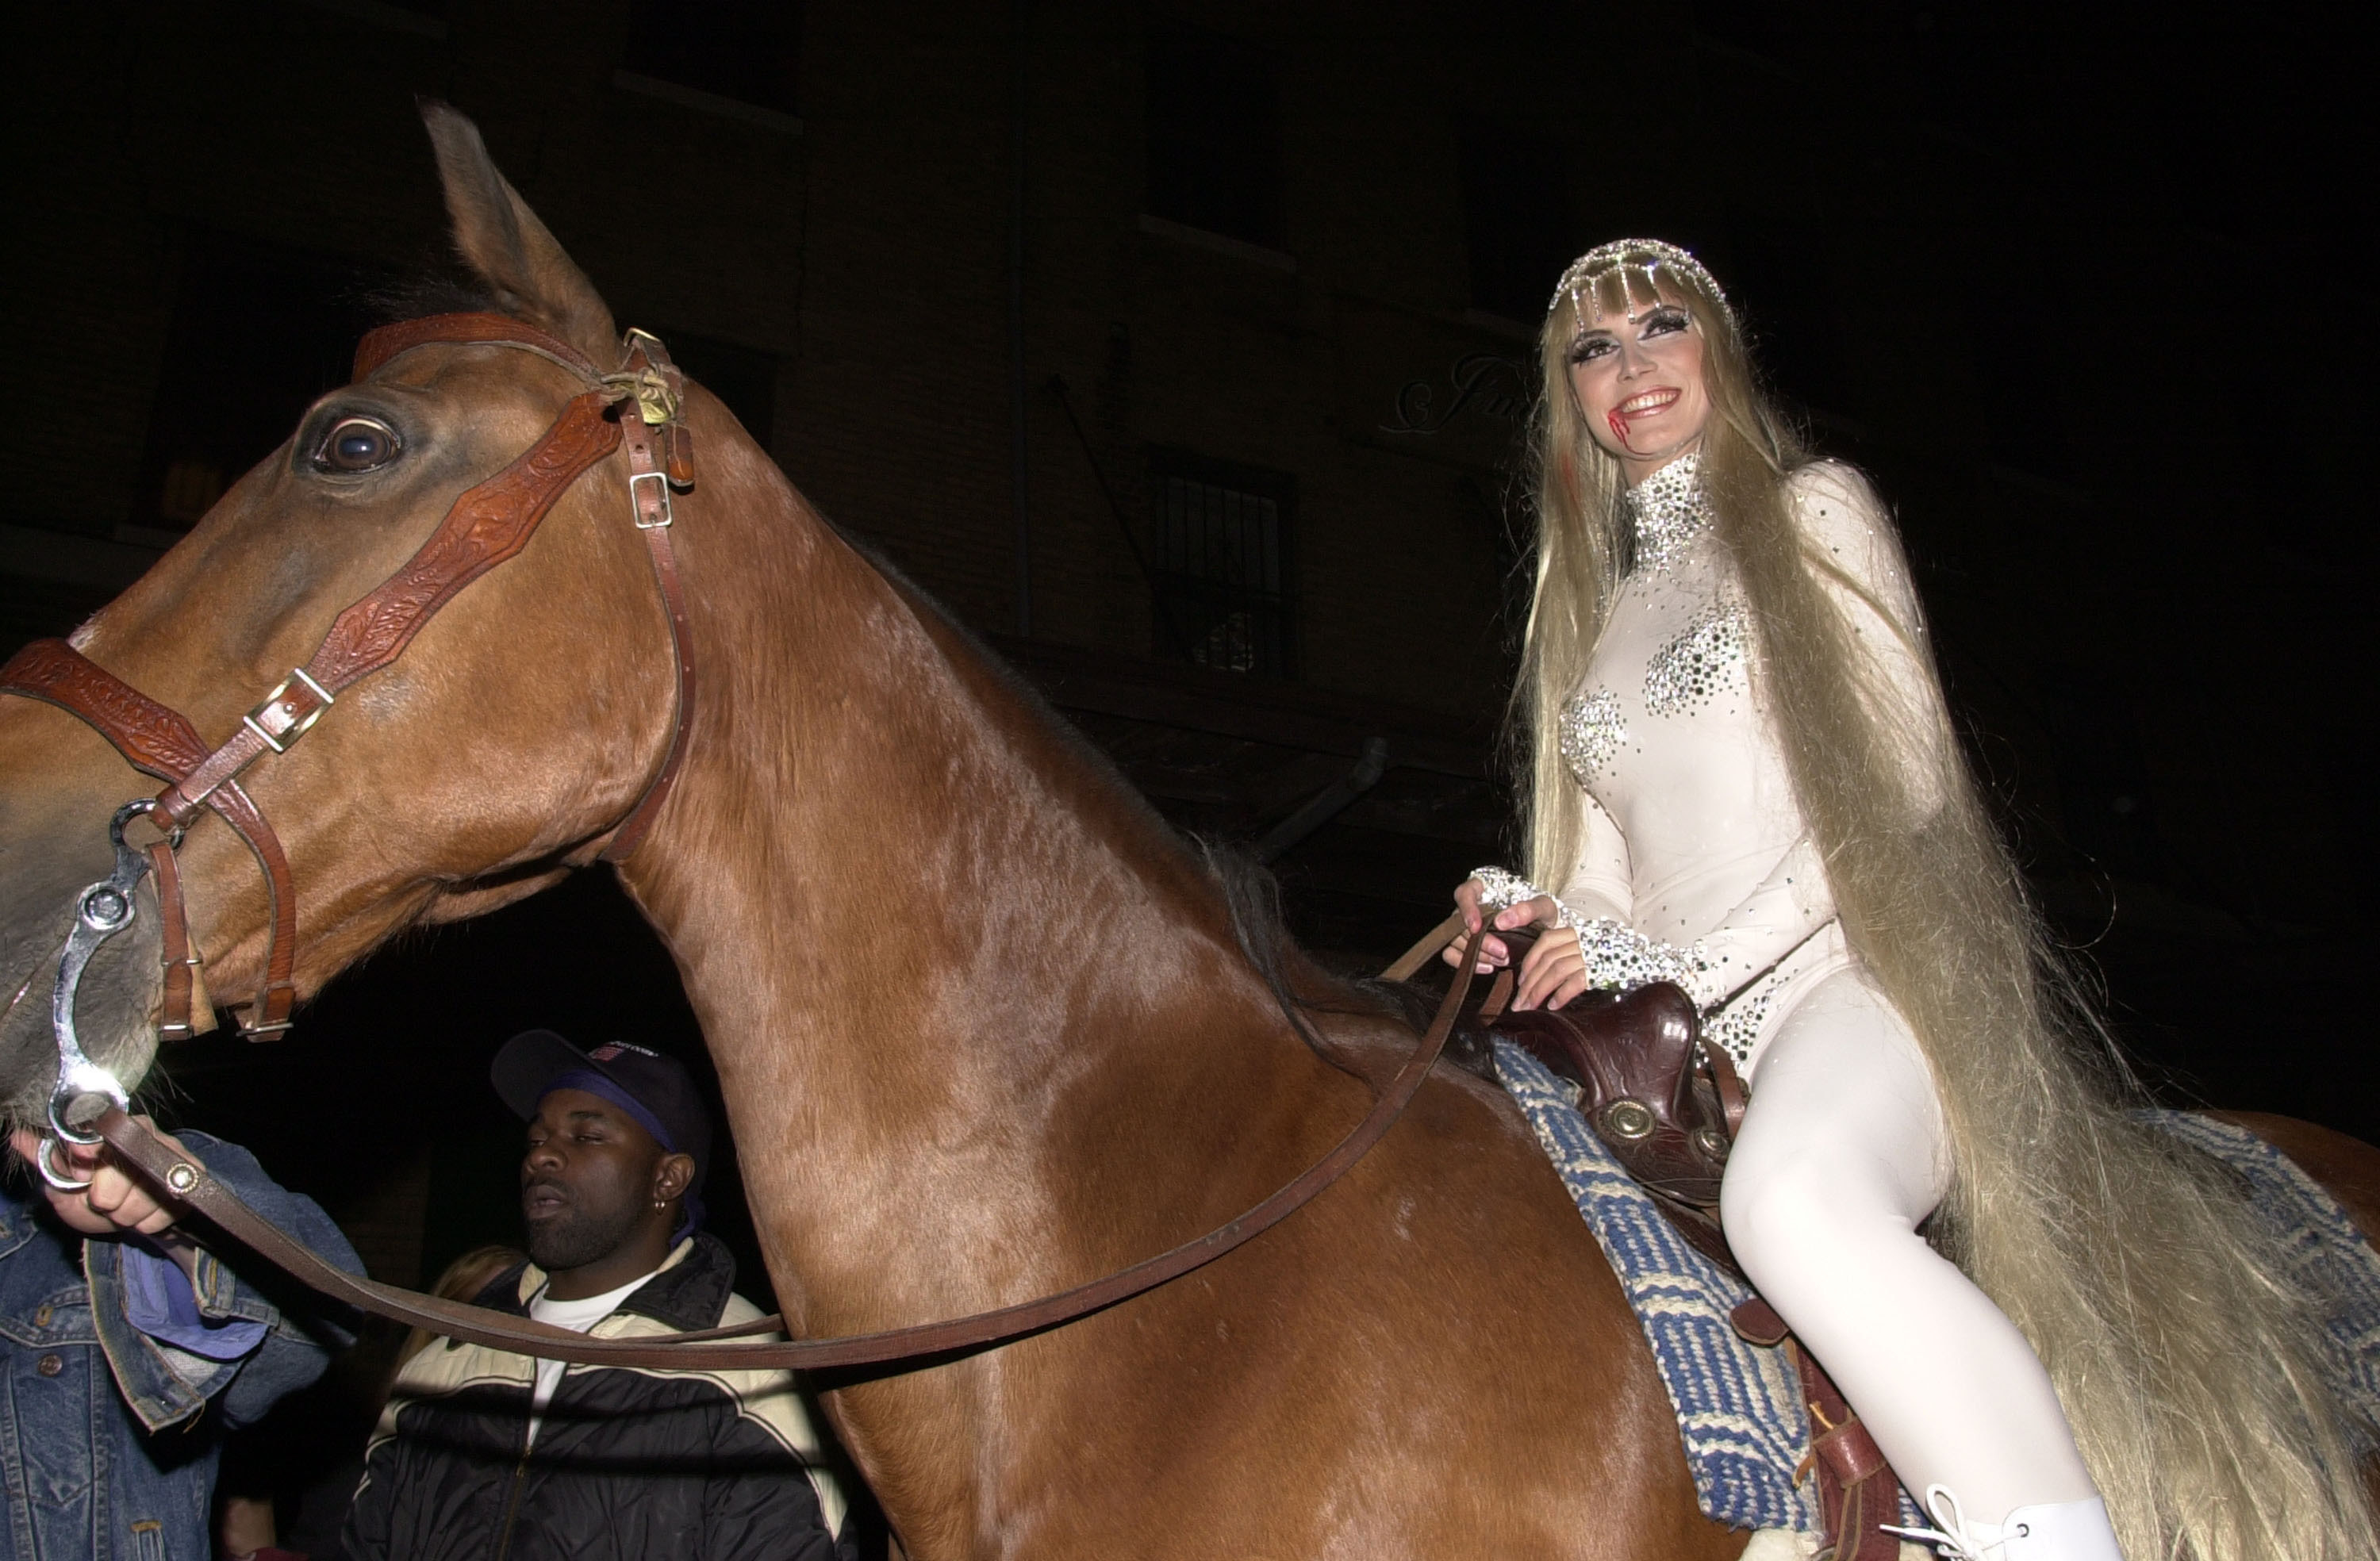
(106, 1442)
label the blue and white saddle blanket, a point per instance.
(1740, 1410)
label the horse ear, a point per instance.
(523, 265)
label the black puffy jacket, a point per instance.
(706, 1466)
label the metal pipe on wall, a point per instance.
(1020, 487)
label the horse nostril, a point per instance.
(106, 909)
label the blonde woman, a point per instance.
(1744, 781)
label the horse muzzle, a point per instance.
(93, 950)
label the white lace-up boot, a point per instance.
(2066, 1530)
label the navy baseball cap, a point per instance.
(655, 1090)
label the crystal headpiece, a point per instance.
(1645, 257)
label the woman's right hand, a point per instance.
(1541, 911)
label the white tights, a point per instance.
(1841, 1156)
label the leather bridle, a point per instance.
(487, 524)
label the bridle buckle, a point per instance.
(278, 724)
(658, 502)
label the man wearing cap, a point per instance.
(487, 1452)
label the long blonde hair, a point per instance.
(2188, 1367)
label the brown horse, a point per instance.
(984, 1026)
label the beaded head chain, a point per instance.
(1631, 264)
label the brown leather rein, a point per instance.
(488, 525)
(185, 1176)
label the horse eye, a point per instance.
(357, 444)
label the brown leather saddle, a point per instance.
(1665, 1102)
(1668, 1104)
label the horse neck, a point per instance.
(953, 977)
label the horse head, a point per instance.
(512, 734)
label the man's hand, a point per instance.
(116, 1203)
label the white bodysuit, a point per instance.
(1693, 838)
(1696, 867)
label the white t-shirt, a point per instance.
(578, 1316)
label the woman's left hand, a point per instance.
(1552, 973)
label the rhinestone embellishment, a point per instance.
(1620, 956)
(1647, 257)
(1501, 889)
(1668, 514)
(1704, 661)
(1592, 731)
(1735, 1027)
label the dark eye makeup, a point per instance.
(1660, 321)
(357, 444)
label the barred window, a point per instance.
(1220, 564)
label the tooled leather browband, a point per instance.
(488, 525)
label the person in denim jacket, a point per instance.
(122, 1335)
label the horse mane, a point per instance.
(1299, 983)
(1249, 891)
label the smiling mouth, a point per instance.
(1649, 402)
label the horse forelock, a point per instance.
(428, 292)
